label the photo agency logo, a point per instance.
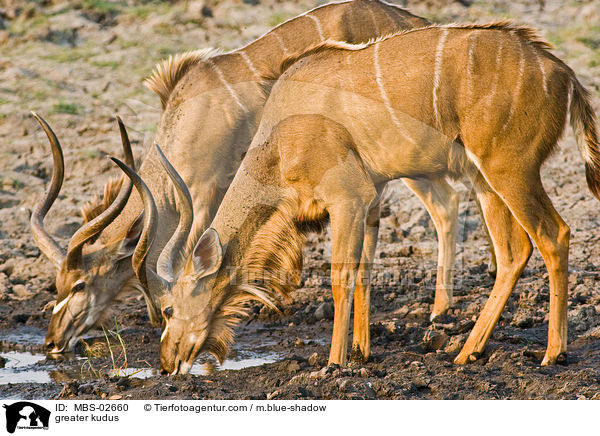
(24, 415)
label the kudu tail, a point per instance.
(584, 123)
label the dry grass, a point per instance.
(114, 347)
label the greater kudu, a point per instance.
(486, 101)
(211, 108)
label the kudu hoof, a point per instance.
(464, 358)
(561, 359)
(356, 355)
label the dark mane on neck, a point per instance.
(97, 205)
(270, 270)
(170, 71)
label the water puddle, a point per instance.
(22, 362)
(207, 365)
(237, 360)
(20, 367)
(25, 336)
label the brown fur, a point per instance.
(277, 248)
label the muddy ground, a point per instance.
(79, 62)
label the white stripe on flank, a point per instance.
(518, 86)
(384, 96)
(490, 97)
(318, 26)
(437, 71)
(281, 43)
(61, 304)
(470, 62)
(228, 86)
(542, 69)
(248, 61)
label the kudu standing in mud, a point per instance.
(487, 102)
(211, 108)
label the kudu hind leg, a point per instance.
(493, 267)
(530, 204)
(513, 248)
(441, 201)
(347, 234)
(361, 345)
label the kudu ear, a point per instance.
(131, 239)
(208, 253)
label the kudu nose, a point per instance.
(165, 367)
(52, 346)
(169, 368)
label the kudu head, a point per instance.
(88, 271)
(185, 290)
(188, 312)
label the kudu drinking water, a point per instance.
(488, 102)
(83, 279)
(211, 107)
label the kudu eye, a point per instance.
(78, 286)
(168, 312)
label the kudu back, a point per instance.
(488, 102)
(211, 107)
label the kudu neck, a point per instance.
(246, 206)
(252, 198)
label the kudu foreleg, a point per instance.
(361, 348)
(347, 231)
(441, 201)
